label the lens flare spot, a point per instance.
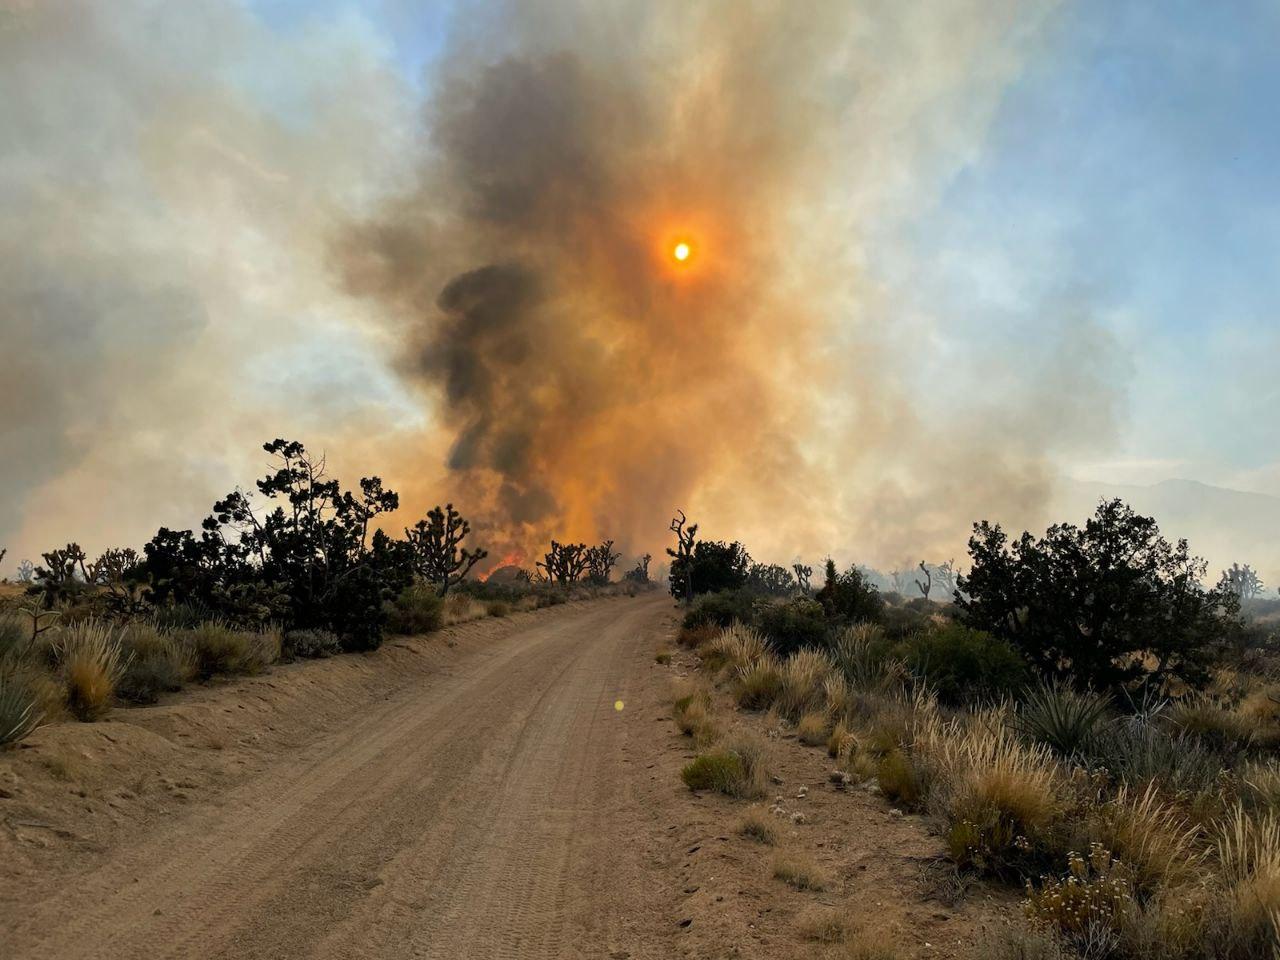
(618, 705)
(681, 252)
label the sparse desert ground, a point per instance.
(474, 793)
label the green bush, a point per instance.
(309, 644)
(720, 609)
(719, 770)
(216, 648)
(794, 625)
(963, 665)
(155, 663)
(418, 609)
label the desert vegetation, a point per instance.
(301, 570)
(1088, 720)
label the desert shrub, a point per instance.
(793, 625)
(1089, 905)
(264, 648)
(498, 608)
(801, 677)
(899, 778)
(849, 597)
(837, 695)
(720, 609)
(462, 608)
(662, 657)
(20, 712)
(812, 729)
(216, 648)
(798, 870)
(963, 665)
(714, 566)
(1140, 753)
(91, 663)
(756, 686)
(1107, 606)
(823, 925)
(758, 826)
(1060, 717)
(720, 770)
(309, 645)
(155, 663)
(1212, 721)
(841, 741)
(418, 609)
(14, 635)
(736, 769)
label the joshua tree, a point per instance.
(945, 574)
(600, 561)
(63, 570)
(803, 574)
(564, 562)
(683, 554)
(640, 572)
(437, 552)
(26, 571)
(899, 578)
(1244, 581)
(3, 553)
(117, 570)
(928, 580)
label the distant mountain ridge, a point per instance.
(1222, 525)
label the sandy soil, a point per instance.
(474, 794)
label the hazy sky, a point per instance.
(1022, 242)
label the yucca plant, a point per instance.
(1063, 718)
(19, 711)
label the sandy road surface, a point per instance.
(487, 813)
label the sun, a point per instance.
(681, 251)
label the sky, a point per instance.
(956, 254)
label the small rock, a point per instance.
(802, 793)
(798, 817)
(895, 812)
(685, 922)
(776, 779)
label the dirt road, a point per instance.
(485, 813)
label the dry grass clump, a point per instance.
(91, 663)
(857, 655)
(841, 742)
(797, 869)
(736, 647)
(692, 714)
(997, 796)
(462, 608)
(1153, 839)
(1248, 854)
(1206, 717)
(217, 649)
(695, 637)
(900, 779)
(757, 686)
(801, 687)
(759, 826)
(823, 925)
(812, 729)
(662, 657)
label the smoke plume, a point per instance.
(214, 231)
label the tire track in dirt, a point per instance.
(467, 817)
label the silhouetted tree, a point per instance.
(682, 556)
(928, 580)
(1108, 605)
(640, 572)
(770, 579)
(803, 574)
(62, 575)
(600, 561)
(1244, 581)
(436, 545)
(26, 571)
(564, 562)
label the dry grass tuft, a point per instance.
(757, 686)
(759, 826)
(812, 729)
(797, 869)
(736, 647)
(462, 608)
(1151, 837)
(801, 689)
(823, 925)
(91, 664)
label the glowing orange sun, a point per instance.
(681, 251)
